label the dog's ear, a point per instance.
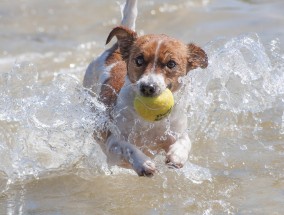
(125, 38)
(196, 57)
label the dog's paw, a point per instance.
(176, 156)
(147, 168)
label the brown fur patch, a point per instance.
(114, 83)
(125, 38)
(167, 49)
(114, 55)
(196, 57)
(130, 46)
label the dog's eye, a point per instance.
(139, 61)
(171, 64)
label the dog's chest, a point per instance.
(132, 128)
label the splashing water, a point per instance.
(236, 106)
(45, 127)
(240, 80)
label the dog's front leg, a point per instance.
(178, 152)
(141, 163)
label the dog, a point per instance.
(144, 65)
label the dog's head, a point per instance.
(156, 62)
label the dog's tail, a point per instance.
(129, 14)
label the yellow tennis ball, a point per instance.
(154, 108)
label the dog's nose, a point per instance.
(148, 89)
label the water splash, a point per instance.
(47, 125)
(241, 79)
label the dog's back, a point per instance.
(106, 74)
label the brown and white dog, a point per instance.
(144, 65)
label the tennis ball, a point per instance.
(154, 108)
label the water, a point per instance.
(50, 163)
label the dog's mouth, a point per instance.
(152, 85)
(152, 90)
(170, 86)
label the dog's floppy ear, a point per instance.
(196, 57)
(125, 38)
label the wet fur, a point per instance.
(121, 79)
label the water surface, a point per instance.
(50, 163)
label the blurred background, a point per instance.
(50, 26)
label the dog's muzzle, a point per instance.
(148, 89)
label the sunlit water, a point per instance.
(50, 163)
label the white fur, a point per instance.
(129, 14)
(97, 73)
(154, 79)
(156, 56)
(129, 125)
(178, 152)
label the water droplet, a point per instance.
(243, 147)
